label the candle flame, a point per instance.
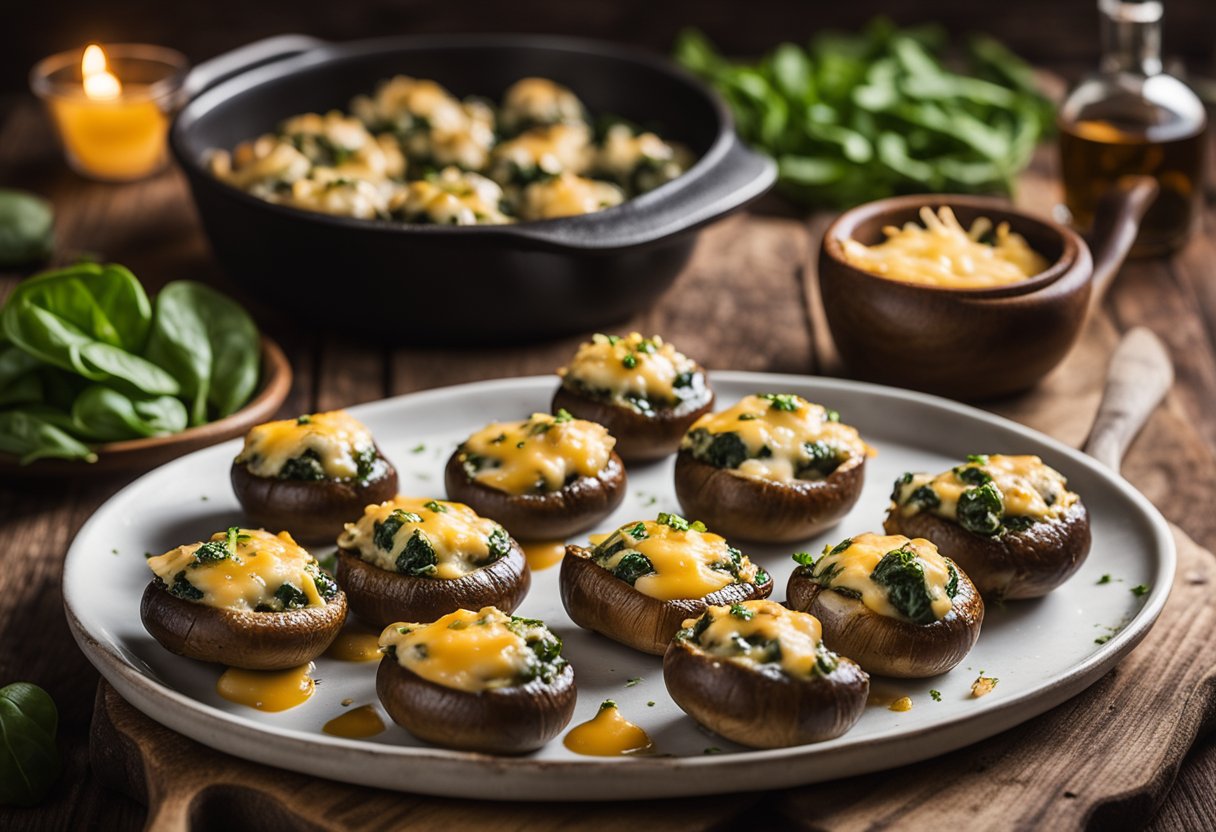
(99, 83)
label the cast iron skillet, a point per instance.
(428, 284)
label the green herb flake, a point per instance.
(634, 682)
(740, 611)
(786, 402)
(419, 448)
(935, 695)
(713, 749)
(435, 506)
(1140, 590)
(304, 419)
(1105, 579)
(562, 416)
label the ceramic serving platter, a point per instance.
(1042, 651)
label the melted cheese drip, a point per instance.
(1026, 486)
(903, 703)
(458, 535)
(357, 723)
(942, 253)
(241, 582)
(336, 437)
(859, 560)
(540, 453)
(267, 690)
(607, 734)
(798, 633)
(355, 645)
(683, 562)
(464, 650)
(542, 554)
(783, 432)
(603, 363)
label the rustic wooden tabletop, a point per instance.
(747, 301)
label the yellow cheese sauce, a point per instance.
(244, 577)
(356, 723)
(903, 703)
(851, 569)
(354, 644)
(451, 197)
(467, 650)
(462, 541)
(1028, 487)
(542, 554)
(537, 455)
(630, 369)
(335, 437)
(745, 633)
(686, 560)
(552, 149)
(942, 253)
(538, 101)
(776, 430)
(607, 734)
(567, 195)
(267, 690)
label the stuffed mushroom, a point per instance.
(896, 606)
(311, 474)
(544, 477)
(1009, 521)
(483, 681)
(641, 389)
(413, 559)
(761, 675)
(773, 468)
(244, 598)
(638, 584)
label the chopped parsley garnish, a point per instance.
(740, 611)
(804, 558)
(305, 419)
(787, 402)
(634, 682)
(1140, 590)
(935, 695)
(630, 361)
(562, 416)
(748, 417)
(978, 459)
(419, 448)
(435, 506)
(637, 531)
(1105, 579)
(678, 523)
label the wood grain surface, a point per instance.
(747, 301)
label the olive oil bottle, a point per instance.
(1132, 118)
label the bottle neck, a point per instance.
(1131, 36)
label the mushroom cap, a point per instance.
(890, 646)
(766, 510)
(595, 599)
(314, 511)
(510, 720)
(551, 515)
(251, 640)
(1013, 565)
(764, 708)
(379, 597)
(640, 437)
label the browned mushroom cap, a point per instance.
(314, 510)
(510, 720)
(766, 510)
(595, 599)
(764, 708)
(251, 640)
(889, 646)
(1025, 564)
(555, 514)
(379, 597)
(640, 437)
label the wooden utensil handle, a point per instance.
(1140, 375)
(1116, 224)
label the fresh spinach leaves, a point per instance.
(29, 757)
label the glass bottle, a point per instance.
(1133, 118)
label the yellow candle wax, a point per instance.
(119, 139)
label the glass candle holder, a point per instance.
(112, 106)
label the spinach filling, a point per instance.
(687, 386)
(633, 564)
(418, 558)
(981, 507)
(728, 450)
(546, 661)
(755, 647)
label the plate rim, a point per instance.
(244, 737)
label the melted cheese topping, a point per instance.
(742, 633)
(459, 536)
(267, 690)
(942, 253)
(465, 650)
(1028, 488)
(335, 437)
(567, 195)
(450, 197)
(246, 579)
(687, 564)
(629, 369)
(854, 566)
(607, 734)
(551, 149)
(542, 453)
(538, 101)
(776, 439)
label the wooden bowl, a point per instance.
(972, 343)
(135, 455)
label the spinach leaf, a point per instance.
(980, 509)
(632, 566)
(19, 379)
(107, 415)
(36, 433)
(903, 576)
(29, 758)
(721, 450)
(418, 558)
(27, 228)
(209, 343)
(307, 466)
(90, 319)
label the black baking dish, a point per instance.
(436, 284)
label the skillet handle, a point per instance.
(1116, 223)
(220, 68)
(1140, 375)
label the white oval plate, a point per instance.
(1043, 651)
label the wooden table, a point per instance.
(747, 301)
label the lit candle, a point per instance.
(113, 117)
